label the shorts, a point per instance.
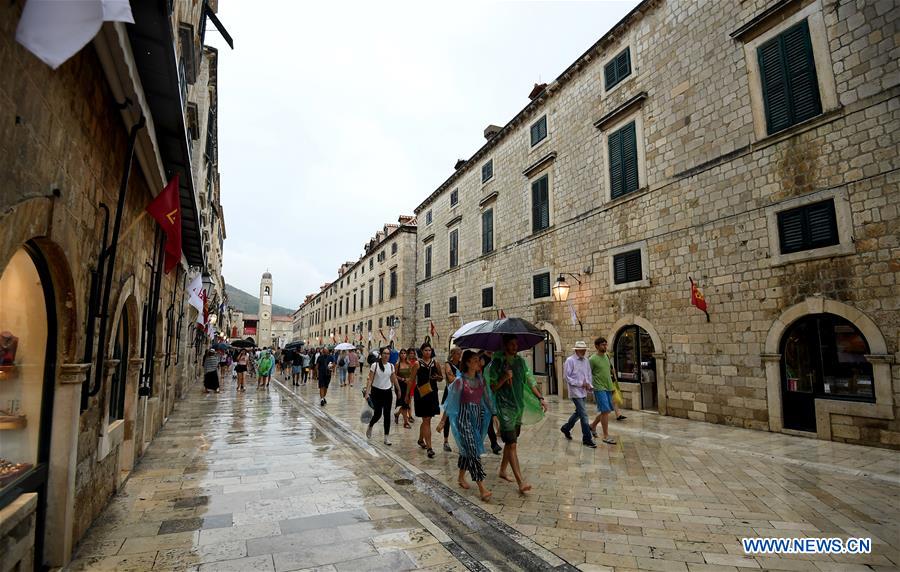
(240, 368)
(296, 369)
(351, 368)
(512, 436)
(604, 400)
(324, 382)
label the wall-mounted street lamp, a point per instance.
(560, 289)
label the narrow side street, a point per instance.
(271, 481)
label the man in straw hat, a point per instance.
(577, 372)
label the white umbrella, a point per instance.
(465, 328)
(344, 346)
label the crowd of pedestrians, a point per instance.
(473, 394)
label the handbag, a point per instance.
(424, 389)
(617, 396)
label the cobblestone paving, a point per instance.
(244, 482)
(675, 494)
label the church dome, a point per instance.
(267, 275)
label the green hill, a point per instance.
(249, 304)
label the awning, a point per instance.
(154, 53)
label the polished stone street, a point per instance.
(271, 481)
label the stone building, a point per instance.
(96, 342)
(370, 298)
(751, 147)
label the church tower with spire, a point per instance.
(264, 330)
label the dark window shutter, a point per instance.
(540, 204)
(627, 267)
(790, 229)
(452, 305)
(541, 285)
(623, 65)
(807, 227)
(629, 159)
(428, 261)
(487, 231)
(487, 297)
(427, 310)
(788, 73)
(615, 164)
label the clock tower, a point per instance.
(264, 331)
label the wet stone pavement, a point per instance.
(271, 481)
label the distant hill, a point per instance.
(249, 304)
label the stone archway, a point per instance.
(558, 358)
(881, 360)
(659, 354)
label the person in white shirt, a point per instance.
(382, 378)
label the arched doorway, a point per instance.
(635, 363)
(543, 358)
(822, 356)
(28, 334)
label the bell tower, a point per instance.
(264, 331)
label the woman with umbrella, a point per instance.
(469, 410)
(425, 397)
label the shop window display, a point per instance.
(23, 345)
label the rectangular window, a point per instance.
(380, 322)
(347, 305)
(381, 288)
(393, 248)
(807, 227)
(454, 248)
(393, 286)
(487, 231)
(541, 285)
(362, 298)
(370, 325)
(428, 218)
(371, 287)
(427, 310)
(427, 261)
(627, 267)
(452, 305)
(340, 308)
(454, 197)
(623, 165)
(354, 301)
(371, 263)
(617, 69)
(487, 297)
(788, 76)
(540, 204)
(487, 171)
(538, 131)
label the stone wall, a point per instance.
(708, 187)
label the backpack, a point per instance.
(341, 362)
(372, 358)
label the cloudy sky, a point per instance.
(336, 117)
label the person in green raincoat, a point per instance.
(518, 401)
(264, 369)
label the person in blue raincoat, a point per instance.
(469, 409)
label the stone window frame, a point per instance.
(645, 266)
(426, 309)
(429, 217)
(450, 231)
(481, 290)
(638, 118)
(481, 172)
(533, 146)
(487, 207)
(818, 36)
(612, 55)
(456, 297)
(551, 202)
(453, 193)
(537, 272)
(843, 216)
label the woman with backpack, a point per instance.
(342, 365)
(425, 397)
(382, 380)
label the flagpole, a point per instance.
(133, 224)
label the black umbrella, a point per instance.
(248, 343)
(489, 336)
(294, 345)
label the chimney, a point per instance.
(537, 90)
(490, 131)
(461, 162)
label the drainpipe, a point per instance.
(93, 303)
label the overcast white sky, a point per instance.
(336, 117)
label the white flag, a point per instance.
(572, 313)
(391, 334)
(194, 289)
(55, 31)
(370, 336)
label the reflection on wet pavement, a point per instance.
(245, 482)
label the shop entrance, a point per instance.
(27, 374)
(823, 356)
(634, 362)
(542, 363)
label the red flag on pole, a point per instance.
(433, 331)
(166, 209)
(697, 298)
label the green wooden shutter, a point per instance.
(822, 224)
(801, 73)
(615, 164)
(487, 231)
(629, 159)
(540, 204)
(627, 267)
(623, 65)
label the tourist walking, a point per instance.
(264, 369)
(469, 411)
(304, 373)
(381, 386)
(425, 397)
(240, 368)
(603, 379)
(352, 366)
(403, 376)
(577, 373)
(515, 394)
(315, 364)
(342, 365)
(485, 358)
(210, 376)
(451, 372)
(296, 367)
(323, 370)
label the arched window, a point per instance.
(119, 376)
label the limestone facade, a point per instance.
(369, 298)
(63, 149)
(710, 185)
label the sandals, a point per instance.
(421, 443)
(431, 453)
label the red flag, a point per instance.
(697, 298)
(166, 209)
(502, 314)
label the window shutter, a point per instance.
(627, 267)
(623, 65)
(487, 231)
(790, 229)
(540, 204)
(629, 159)
(487, 297)
(541, 285)
(801, 73)
(615, 164)
(774, 85)
(822, 224)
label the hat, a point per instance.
(580, 345)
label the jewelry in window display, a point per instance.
(10, 471)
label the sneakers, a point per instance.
(590, 444)
(447, 447)
(431, 453)
(369, 432)
(566, 432)
(386, 440)
(496, 449)
(621, 418)
(322, 402)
